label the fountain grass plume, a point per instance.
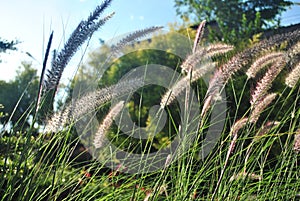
(262, 62)
(266, 81)
(296, 147)
(259, 107)
(106, 124)
(293, 77)
(90, 102)
(82, 33)
(199, 35)
(133, 37)
(182, 84)
(225, 71)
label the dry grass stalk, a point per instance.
(262, 62)
(106, 124)
(293, 77)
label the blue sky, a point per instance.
(31, 22)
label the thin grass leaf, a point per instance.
(39, 95)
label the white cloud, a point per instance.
(141, 17)
(131, 17)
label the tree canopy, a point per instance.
(6, 45)
(236, 19)
(18, 95)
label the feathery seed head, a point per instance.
(133, 37)
(192, 60)
(83, 32)
(238, 125)
(265, 83)
(260, 106)
(90, 102)
(199, 35)
(297, 141)
(293, 77)
(262, 62)
(182, 84)
(217, 49)
(106, 124)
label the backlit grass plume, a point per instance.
(225, 71)
(106, 124)
(202, 54)
(199, 35)
(262, 62)
(217, 49)
(133, 37)
(90, 102)
(294, 50)
(182, 84)
(83, 31)
(259, 107)
(265, 83)
(293, 77)
(297, 141)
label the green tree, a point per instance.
(6, 45)
(17, 96)
(236, 19)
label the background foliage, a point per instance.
(233, 20)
